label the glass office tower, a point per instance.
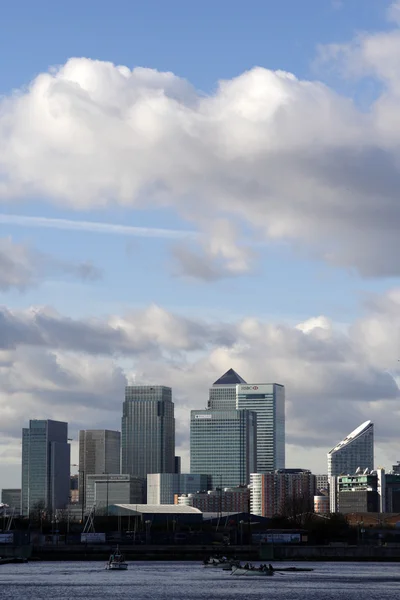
(222, 394)
(148, 430)
(223, 444)
(99, 452)
(268, 401)
(45, 466)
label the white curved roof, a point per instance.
(358, 431)
(178, 509)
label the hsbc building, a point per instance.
(267, 400)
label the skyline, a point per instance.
(187, 194)
(367, 448)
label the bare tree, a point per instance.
(297, 508)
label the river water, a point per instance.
(191, 581)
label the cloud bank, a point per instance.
(290, 159)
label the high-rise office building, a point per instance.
(222, 394)
(268, 401)
(231, 392)
(148, 430)
(99, 452)
(355, 451)
(45, 466)
(223, 444)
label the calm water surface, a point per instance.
(190, 581)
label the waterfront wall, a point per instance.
(10, 551)
(334, 553)
(265, 552)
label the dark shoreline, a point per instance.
(265, 552)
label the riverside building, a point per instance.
(224, 500)
(281, 492)
(355, 451)
(163, 487)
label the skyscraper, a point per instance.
(99, 452)
(223, 444)
(355, 451)
(45, 466)
(268, 401)
(222, 394)
(148, 430)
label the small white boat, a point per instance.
(116, 562)
(250, 571)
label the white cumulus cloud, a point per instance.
(290, 159)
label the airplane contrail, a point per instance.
(95, 227)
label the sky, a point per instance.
(186, 188)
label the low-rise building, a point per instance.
(321, 504)
(106, 489)
(358, 493)
(163, 487)
(12, 498)
(321, 482)
(223, 500)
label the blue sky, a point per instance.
(204, 42)
(217, 40)
(275, 193)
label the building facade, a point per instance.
(12, 498)
(222, 394)
(99, 452)
(267, 400)
(321, 482)
(105, 490)
(223, 444)
(163, 487)
(148, 431)
(358, 493)
(391, 500)
(321, 504)
(45, 466)
(282, 492)
(224, 500)
(355, 451)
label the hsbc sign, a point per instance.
(260, 389)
